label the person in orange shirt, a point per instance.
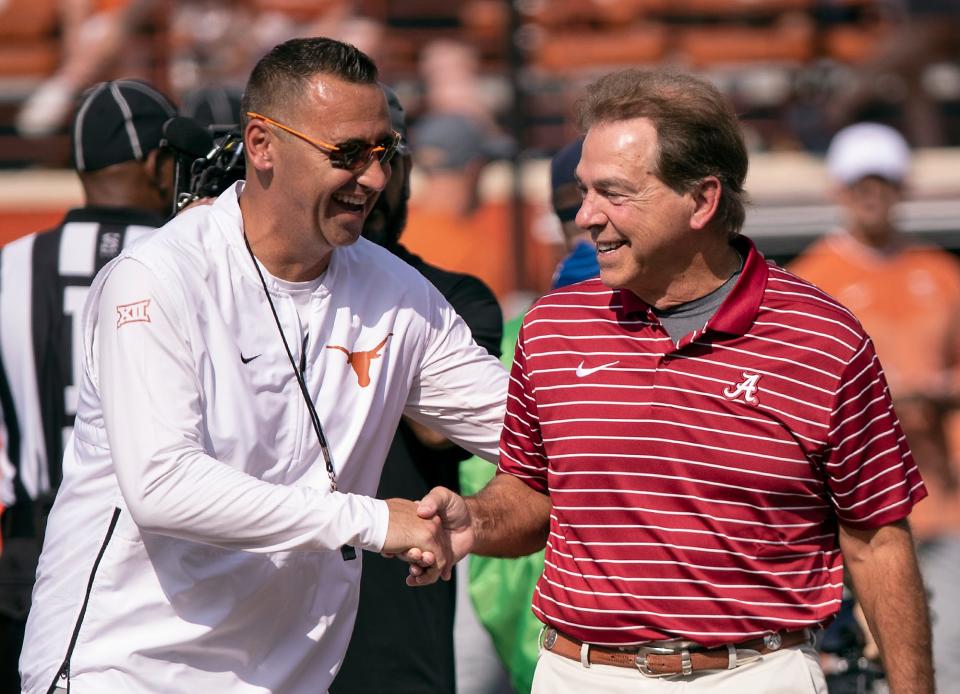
(456, 226)
(907, 296)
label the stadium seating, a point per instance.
(28, 38)
(558, 45)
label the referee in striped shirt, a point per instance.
(704, 441)
(44, 279)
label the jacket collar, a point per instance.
(227, 217)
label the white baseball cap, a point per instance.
(868, 149)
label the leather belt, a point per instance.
(656, 660)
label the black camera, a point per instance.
(207, 160)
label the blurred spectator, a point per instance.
(209, 42)
(44, 279)
(450, 71)
(278, 20)
(581, 260)
(93, 36)
(449, 221)
(217, 42)
(926, 31)
(454, 140)
(213, 42)
(451, 150)
(418, 460)
(214, 105)
(907, 296)
(502, 589)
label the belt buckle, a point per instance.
(640, 659)
(773, 641)
(547, 638)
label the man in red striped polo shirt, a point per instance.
(702, 439)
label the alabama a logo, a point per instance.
(745, 390)
(133, 313)
(360, 361)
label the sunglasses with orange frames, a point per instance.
(353, 156)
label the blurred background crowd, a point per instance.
(489, 86)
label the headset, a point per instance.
(207, 160)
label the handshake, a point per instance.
(432, 534)
(507, 518)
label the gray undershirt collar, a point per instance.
(683, 319)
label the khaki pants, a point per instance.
(789, 671)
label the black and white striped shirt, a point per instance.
(44, 281)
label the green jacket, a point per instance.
(502, 589)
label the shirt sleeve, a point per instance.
(871, 474)
(459, 389)
(152, 411)
(521, 445)
(476, 304)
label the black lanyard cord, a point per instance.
(314, 417)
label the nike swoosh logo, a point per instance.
(247, 360)
(581, 372)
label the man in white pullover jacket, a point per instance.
(201, 540)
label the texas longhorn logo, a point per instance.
(133, 313)
(747, 388)
(360, 361)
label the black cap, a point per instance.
(118, 121)
(450, 141)
(563, 180)
(398, 118)
(212, 105)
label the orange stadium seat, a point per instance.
(621, 12)
(28, 38)
(408, 12)
(563, 13)
(737, 8)
(854, 44)
(567, 50)
(305, 10)
(717, 45)
(485, 20)
(28, 58)
(28, 19)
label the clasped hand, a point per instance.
(432, 535)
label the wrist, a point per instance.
(475, 518)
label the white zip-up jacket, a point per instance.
(223, 572)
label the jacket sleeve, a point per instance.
(460, 389)
(153, 412)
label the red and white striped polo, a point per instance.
(697, 487)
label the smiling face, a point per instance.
(640, 225)
(868, 207)
(328, 203)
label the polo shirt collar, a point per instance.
(738, 311)
(115, 215)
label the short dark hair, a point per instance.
(698, 132)
(280, 76)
